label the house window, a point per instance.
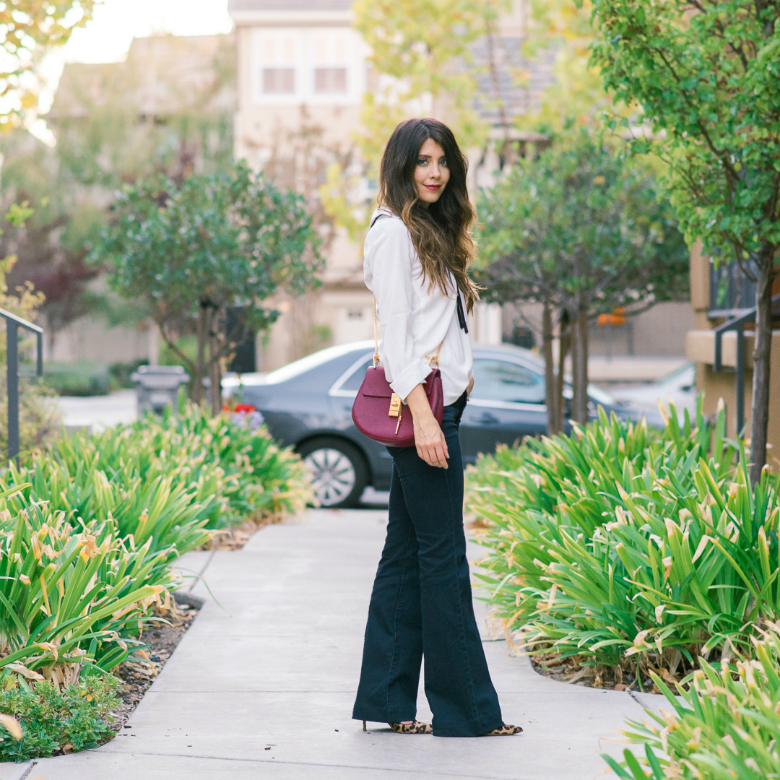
(330, 58)
(278, 81)
(277, 64)
(330, 81)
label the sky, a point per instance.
(116, 22)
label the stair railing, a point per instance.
(737, 324)
(12, 325)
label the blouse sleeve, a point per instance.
(391, 282)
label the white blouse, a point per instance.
(414, 319)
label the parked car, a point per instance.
(679, 387)
(308, 405)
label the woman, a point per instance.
(417, 255)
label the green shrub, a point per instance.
(71, 593)
(630, 552)
(232, 472)
(159, 510)
(726, 725)
(78, 379)
(120, 373)
(78, 717)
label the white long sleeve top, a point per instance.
(414, 317)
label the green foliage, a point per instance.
(28, 28)
(577, 91)
(580, 219)
(70, 589)
(191, 251)
(627, 550)
(582, 230)
(708, 78)
(228, 472)
(725, 725)
(78, 379)
(77, 717)
(89, 530)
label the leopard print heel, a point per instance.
(415, 727)
(505, 731)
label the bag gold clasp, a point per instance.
(396, 409)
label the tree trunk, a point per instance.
(550, 385)
(564, 342)
(196, 391)
(762, 353)
(215, 375)
(215, 363)
(580, 363)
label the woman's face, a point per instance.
(432, 173)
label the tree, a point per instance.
(707, 75)
(28, 29)
(193, 250)
(580, 230)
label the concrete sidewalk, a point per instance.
(263, 683)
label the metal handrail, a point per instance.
(737, 323)
(12, 325)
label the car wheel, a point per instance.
(339, 473)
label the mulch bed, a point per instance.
(571, 670)
(236, 537)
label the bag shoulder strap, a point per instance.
(377, 361)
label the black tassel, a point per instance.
(464, 323)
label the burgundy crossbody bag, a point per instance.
(379, 413)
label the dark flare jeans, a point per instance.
(421, 604)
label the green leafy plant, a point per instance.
(725, 725)
(53, 720)
(627, 552)
(70, 593)
(28, 28)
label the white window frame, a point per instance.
(305, 63)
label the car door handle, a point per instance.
(486, 418)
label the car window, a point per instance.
(500, 380)
(355, 379)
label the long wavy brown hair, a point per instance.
(441, 233)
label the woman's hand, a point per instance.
(428, 437)
(470, 388)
